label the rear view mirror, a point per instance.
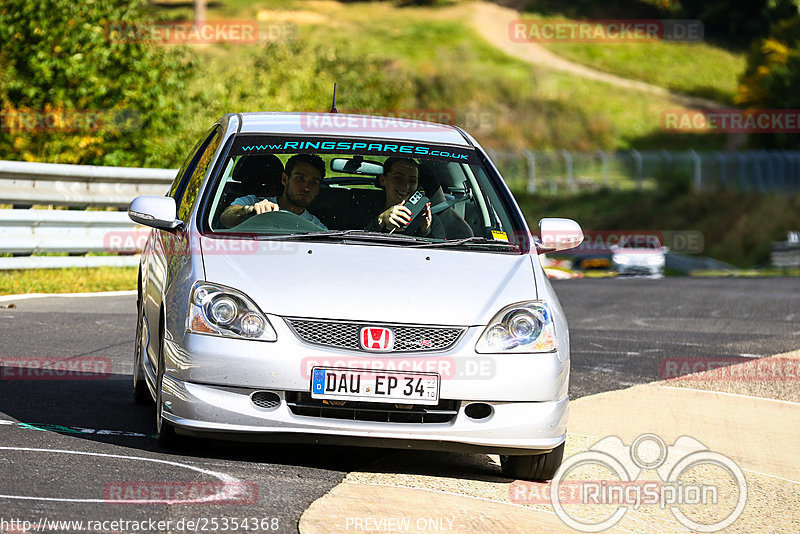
(155, 212)
(558, 234)
(357, 165)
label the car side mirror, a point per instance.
(155, 212)
(557, 234)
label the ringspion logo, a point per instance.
(687, 484)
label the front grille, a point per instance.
(301, 403)
(344, 335)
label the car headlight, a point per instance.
(523, 327)
(222, 311)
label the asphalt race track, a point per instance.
(67, 445)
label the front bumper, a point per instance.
(228, 412)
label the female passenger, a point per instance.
(399, 181)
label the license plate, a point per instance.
(374, 386)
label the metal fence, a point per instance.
(565, 172)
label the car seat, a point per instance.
(455, 227)
(260, 175)
(253, 175)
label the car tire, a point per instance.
(539, 467)
(141, 394)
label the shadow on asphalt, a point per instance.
(102, 410)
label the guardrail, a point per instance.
(24, 232)
(27, 183)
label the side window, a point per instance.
(175, 188)
(193, 185)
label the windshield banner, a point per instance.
(263, 144)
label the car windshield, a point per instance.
(639, 243)
(355, 198)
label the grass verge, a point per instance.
(76, 280)
(699, 68)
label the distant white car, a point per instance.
(642, 257)
(281, 329)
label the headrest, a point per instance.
(260, 175)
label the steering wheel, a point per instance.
(277, 220)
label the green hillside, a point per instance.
(391, 59)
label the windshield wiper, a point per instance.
(361, 235)
(475, 240)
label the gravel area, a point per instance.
(775, 377)
(773, 505)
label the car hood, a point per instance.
(371, 282)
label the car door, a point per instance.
(167, 250)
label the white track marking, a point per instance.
(211, 498)
(734, 395)
(26, 296)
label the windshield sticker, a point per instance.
(502, 236)
(275, 145)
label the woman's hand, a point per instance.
(395, 218)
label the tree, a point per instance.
(734, 21)
(772, 77)
(78, 84)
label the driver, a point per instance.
(301, 181)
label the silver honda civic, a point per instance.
(353, 280)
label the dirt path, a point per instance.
(492, 22)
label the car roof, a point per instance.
(349, 125)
